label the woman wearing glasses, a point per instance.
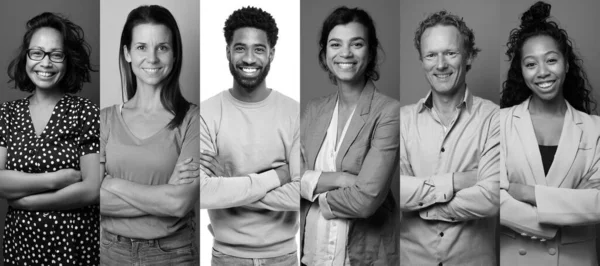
(49, 148)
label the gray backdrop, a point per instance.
(13, 16)
(315, 82)
(479, 15)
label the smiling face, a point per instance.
(150, 54)
(543, 67)
(444, 59)
(46, 74)
(250, 57)
(347, 52)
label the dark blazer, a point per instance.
(370, 151)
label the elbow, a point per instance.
(180, 208)
(369, 208)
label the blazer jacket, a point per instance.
(370, 151)
(563, 214)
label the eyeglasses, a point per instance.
(39, 54)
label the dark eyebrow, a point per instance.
(42, 48)
(546, 54)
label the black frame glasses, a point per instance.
(59, 56)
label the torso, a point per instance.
(144, 124)
(547, 129)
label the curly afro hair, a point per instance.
(251, 17)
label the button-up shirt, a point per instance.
(438, 226)
(325, 240)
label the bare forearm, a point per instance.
(112, 205)
(75, 196)
(331, 181)
(159, 200)
(15, 184)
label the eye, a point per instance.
(358, 44)
(552, 60)
(334, 45)
(36, 53)
(259, 50)
(529, 65)
(163, 48)
(430, 56)
(239, 49)
(57, 55)
(140, 47)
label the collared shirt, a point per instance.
(439, 226)
(325, 240)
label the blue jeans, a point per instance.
(221, 259)
(177, 249)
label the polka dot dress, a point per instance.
(68, 237)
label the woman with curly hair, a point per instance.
(550, 149)
(49, 148)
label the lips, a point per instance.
(443, 76)
(249, 71)
(152, 70)
(545, 84)
(345, 65)
(45, 74)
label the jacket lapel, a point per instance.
(319, 128)
(526, 133)
(567, 148)
(358, 121)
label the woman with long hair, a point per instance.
(149, 150)
(550, 149)
(49, 150)
(349, 151)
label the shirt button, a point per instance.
(522, 252)
(440, 264)
(442, 234)
(552, 251)
(443, 150)
(420, 203)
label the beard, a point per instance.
(249, 84)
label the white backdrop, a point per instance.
(215, 77)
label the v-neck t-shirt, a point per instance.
(43, 237)
(148, 161)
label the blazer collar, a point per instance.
(363, 108)
(568, 144)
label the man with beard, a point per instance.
(250, 151)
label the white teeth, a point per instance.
(45, 74)
(442, 76)
(545, 85)
(249, 70)
(345, 65)
(151, 70)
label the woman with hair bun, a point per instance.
(550, 149)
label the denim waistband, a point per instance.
(185, 234)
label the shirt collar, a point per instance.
(427, 102)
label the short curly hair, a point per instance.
(342, 16)
(77, 52)
(534, 22)
(251, 17)
(446, 18)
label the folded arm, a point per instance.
(481, 200)
(373, 182)
(76, 195)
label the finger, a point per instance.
(185, 181)
(189, 167)
(208, 171)
(523, 234)
(534, 238)
(209, 153)
(206, 158)
(189, 174)
(542, 239)
(207, 165)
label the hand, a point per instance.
(185, 172)
(462, 180)
(212, 166)
(283, 172)
(66, 177)
(589, 184)
(523, 193)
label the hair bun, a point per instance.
(538, 12)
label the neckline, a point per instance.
(47, 125)
(128, 130)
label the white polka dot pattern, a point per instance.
(50, 237)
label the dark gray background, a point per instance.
(315, 82)
(13, 16)
(481, 16)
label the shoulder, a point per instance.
(590, 122)
(485, 105)
(193, 113)
(14, 104)
(386, 105)
(286, 104)
(81, 102)
(409, 111)
(317, 104)
(213, 103)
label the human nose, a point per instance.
(45, 61)
(543, 71)
(249, 57)
(152, 57)
(346, 51)
(441, 62)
